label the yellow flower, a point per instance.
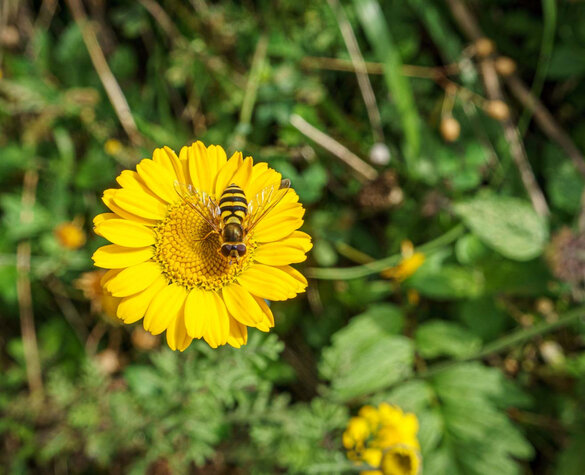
(70, 235)
(113, 147)
(165, 261)
(409, 264)
(384, 438)
(101, 300)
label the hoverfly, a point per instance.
(228, 217)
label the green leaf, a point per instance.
(367, 356)
(440, 338)
(508, 225)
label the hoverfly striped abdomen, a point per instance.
(234, 207)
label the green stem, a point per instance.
(346, 273)
(508, 341)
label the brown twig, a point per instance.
(360, 70)
(364, 171)
(104, 72)
(467, 23)
(27, 322)
(546, 121)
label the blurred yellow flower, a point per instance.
(70, 235)
(100, 299)
(409, 264)
(384, 438)
(113, 147)
(172, 260)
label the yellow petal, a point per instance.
(238, 333)
(113, 256)
(276, 227)
(290, 250)
(108, 199)
(300, 278)
(266, 309)
(201, 169)
(164, 308)
(125, 232)
(262, 177)
(269, 283)
(169, 160)
(100, 218)
(242, 306)
(140, 204)
(218, 324)
(198, 306)
(243, 174)
(133, 279)
(133, 307)
(129, 179)
(109, 275)
(177, 337)
(226, 173)
(158, 179)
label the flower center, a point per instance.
(187, 250)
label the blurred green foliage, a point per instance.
(482, 342)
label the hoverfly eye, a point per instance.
(241, 248)
(225, 250)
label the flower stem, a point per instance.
(337, 273)
(508, 341)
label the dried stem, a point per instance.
(27, 323)
(546, 121)
(360, 70)
(470, 27)
(104, 72)
(364, 171)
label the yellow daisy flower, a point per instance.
(408, 265)
(70, 235)
(385, 439)
(169, 228)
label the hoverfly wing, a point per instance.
(201, 202)
(264, 201)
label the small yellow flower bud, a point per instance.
(450, 129)
(70, 235)
(113, 147)
(484, 47)
(505, 66)
(497, 109)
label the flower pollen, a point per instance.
(187, 249)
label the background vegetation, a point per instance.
(477, 165)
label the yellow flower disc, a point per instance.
(164, 261)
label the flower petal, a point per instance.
(140, 204)
(133, 307)
(198, 306)
(290, 250)
(168, 159)
(158, 179)
(130, 180)
(177, 337)
(201, 169)
(266, 309)
(113, 256)
(243, 174)
(262, 177)
(270, 283)
(124, 232)
(242, 306)
(218, 323)
(295, 274)
(226, 173)
(133, 279)
(238, 333)
(164, 308)
(108, 199)
(275, 227)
